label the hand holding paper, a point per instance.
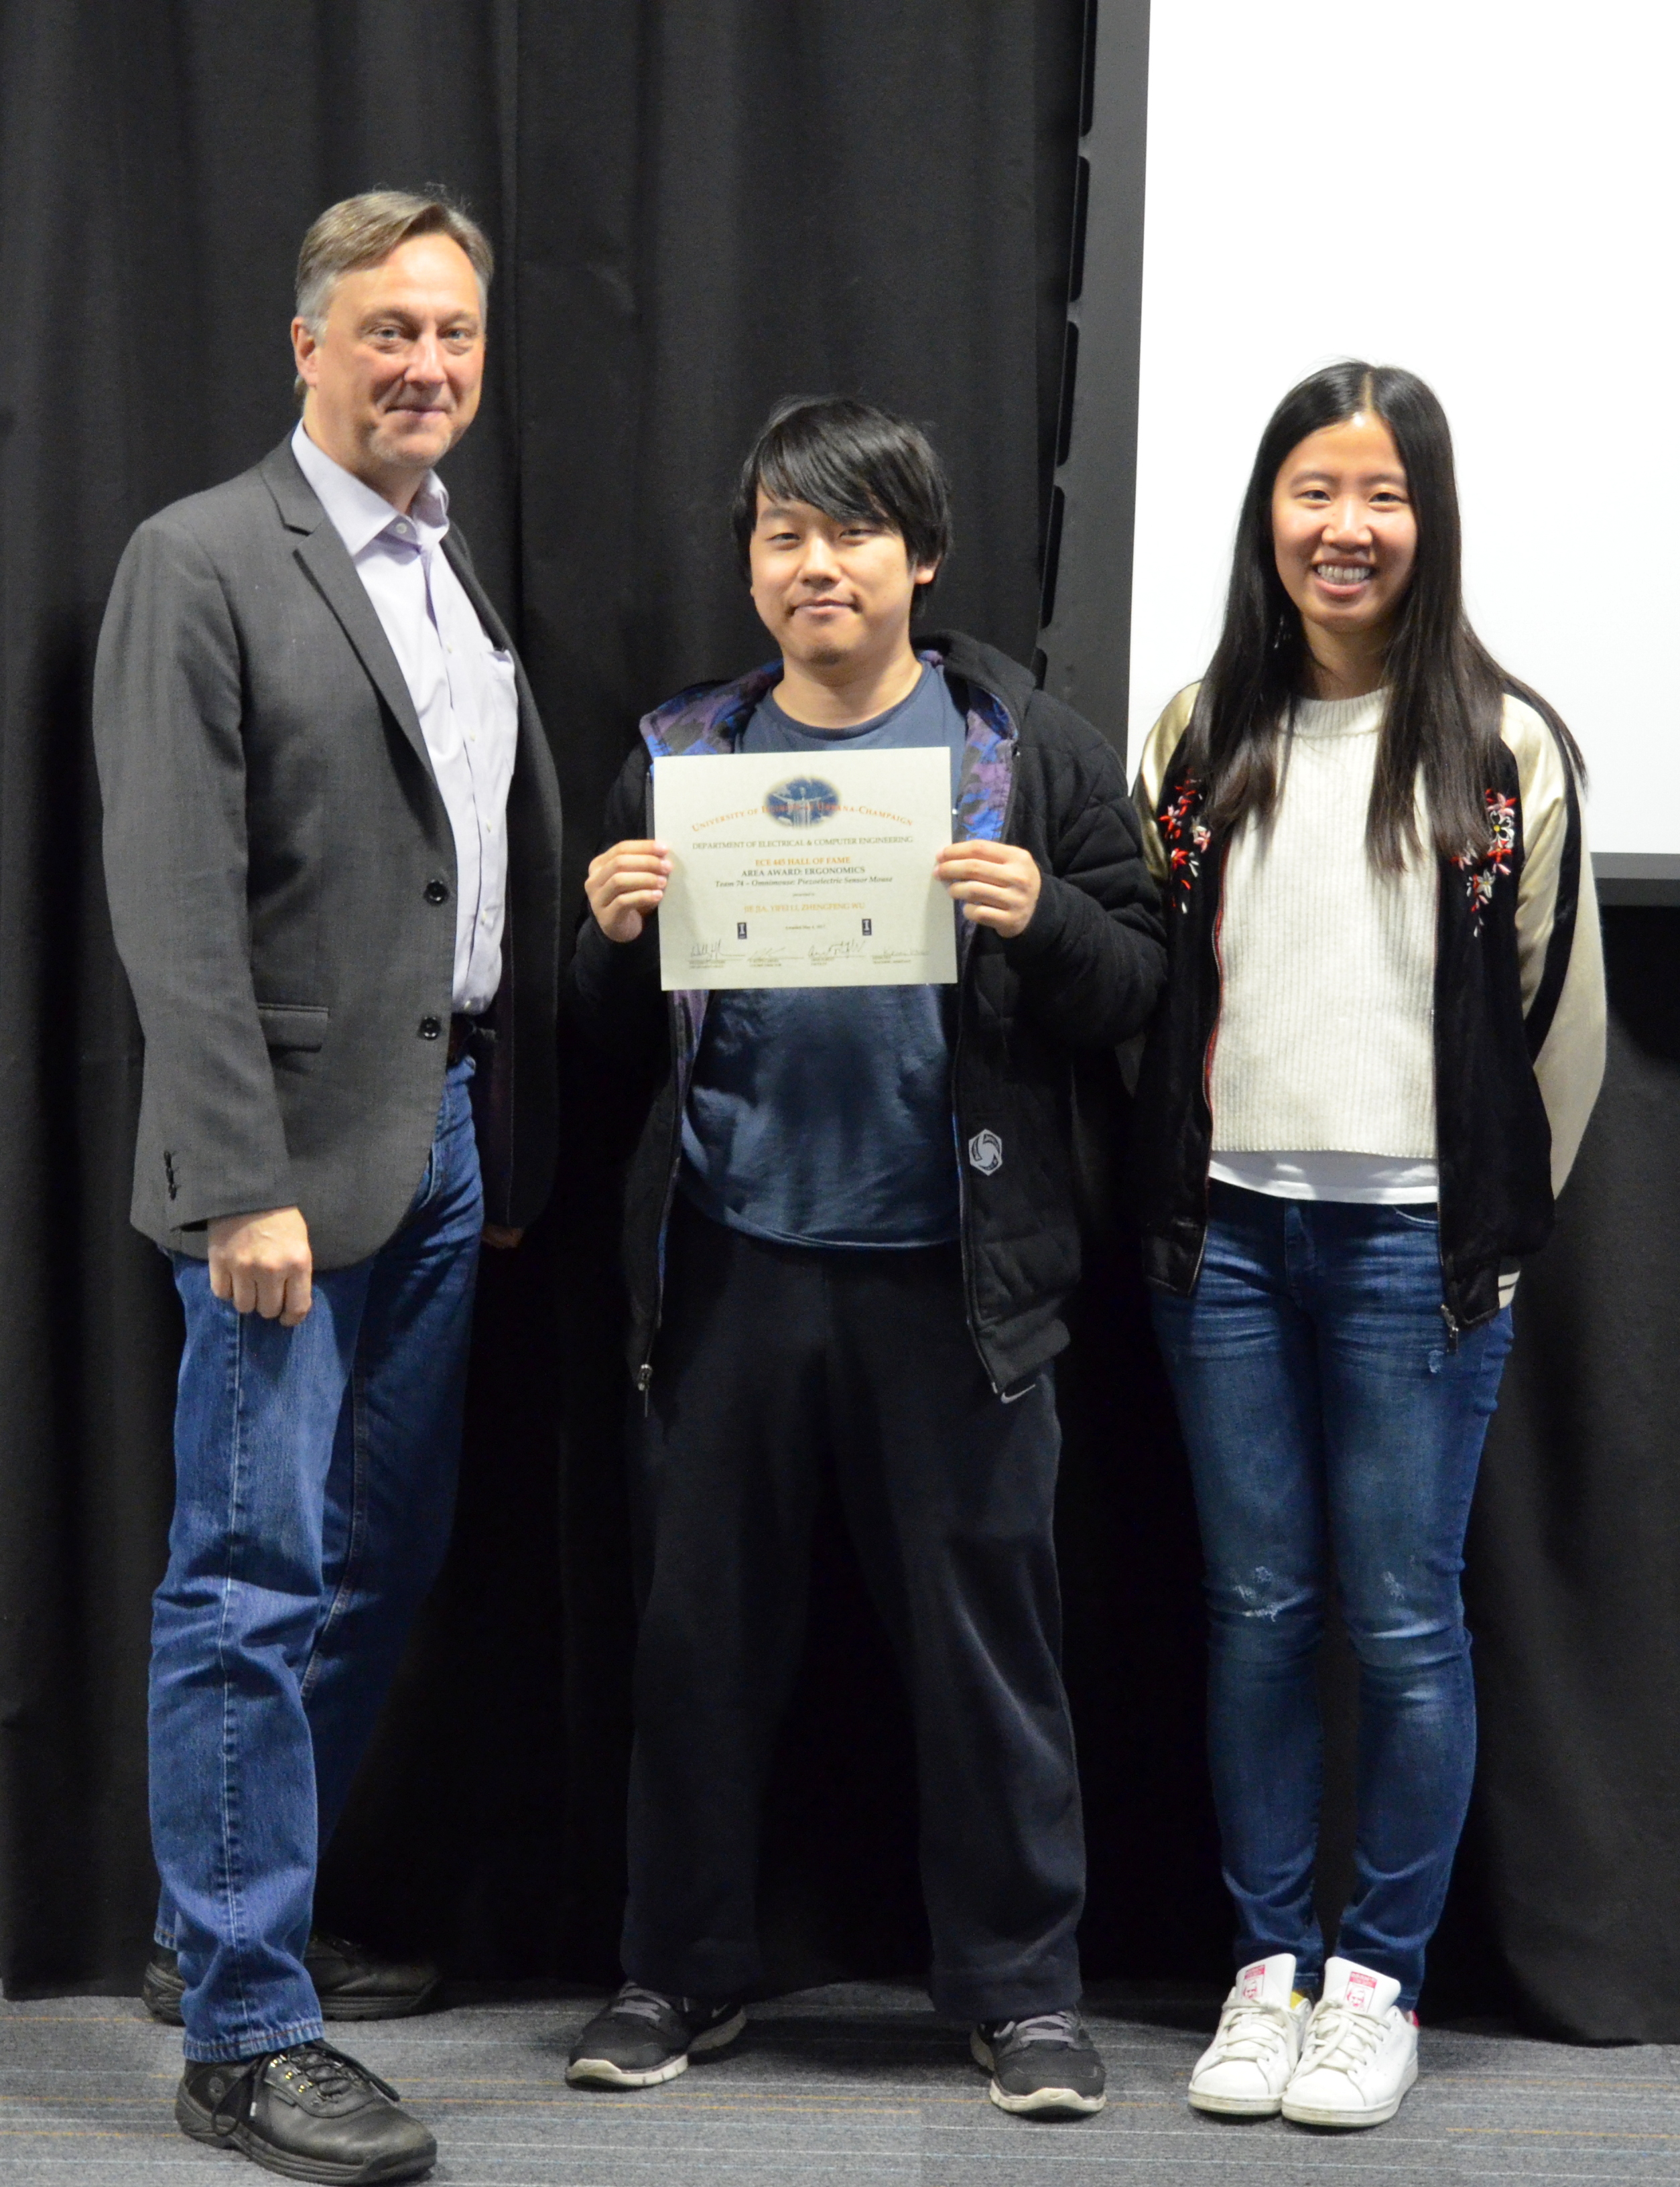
(799, 870)
(997, 884)
(625, 884)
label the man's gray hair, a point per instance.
(364, 231)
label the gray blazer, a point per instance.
(281, 880)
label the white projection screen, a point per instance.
(1485, 192)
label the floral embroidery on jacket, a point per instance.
(1185, 837)
(1483, 868)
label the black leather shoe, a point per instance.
(308, 2112)
(351, 1983)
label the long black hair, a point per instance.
(1445, 689)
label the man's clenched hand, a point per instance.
(263, 1264)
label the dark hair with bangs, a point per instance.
(848, 459)
(1446, 690)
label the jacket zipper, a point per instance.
(969, 1294)
(644, 1373)
(1207, 1072)
(1451, 1319)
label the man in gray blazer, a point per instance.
(332, 845)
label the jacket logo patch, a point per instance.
(986, 1152)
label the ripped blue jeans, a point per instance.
(1331, 1425)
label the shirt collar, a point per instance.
(358, 515)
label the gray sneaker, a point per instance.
(1044, 2066)
(644, 2037)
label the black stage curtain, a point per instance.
(700, 204)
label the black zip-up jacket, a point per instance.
(1084, 975)
(1518, 977)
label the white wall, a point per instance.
(1486, 193)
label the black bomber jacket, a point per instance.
(1494, 1136)
(1083, 975)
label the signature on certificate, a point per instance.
(706, 952)
(824, 952)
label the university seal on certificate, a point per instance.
(805, 869)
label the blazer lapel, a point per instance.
(461, 562)
(325, 555)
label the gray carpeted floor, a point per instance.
(853, 2085)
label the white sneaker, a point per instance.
(1244, 2070)
(1361, 2054)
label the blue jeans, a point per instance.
(1329, 1415)
(314, 1489)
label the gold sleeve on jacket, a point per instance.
(1570, 1063)
(1159, 747)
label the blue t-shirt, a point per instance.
(822, 1116)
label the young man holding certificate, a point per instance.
(851, 1229)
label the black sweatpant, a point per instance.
(772, 1360)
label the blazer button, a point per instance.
(437, 893)
(431, 1028)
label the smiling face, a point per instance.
(1344, 533)
(834, 592)
(395, 374)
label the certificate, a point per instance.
(805, 869)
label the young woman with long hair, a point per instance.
(1382, 1036)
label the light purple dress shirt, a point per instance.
(463, 687)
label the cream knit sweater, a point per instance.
(1325, 1040)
